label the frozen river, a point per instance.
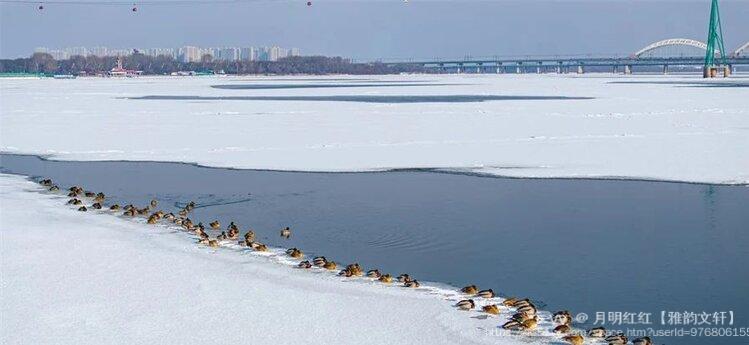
(408, 174)
(644, 127)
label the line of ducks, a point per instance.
(525, 317)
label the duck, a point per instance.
(404, 278)
(530, 324)
(202, 234)
(144, 211)
(74, 201)
(259, 247)
(295, 253)
(386, 278)
(642, 341)
(286, 232)
(513, 325)
(128, 207)
(222, 237)
(254, 245)
(562, 317)
(529, 310)
(521, 303)
(215, 225)
(114, 207)
(374, 273)
(574, 339)
(563, 328)
(188, 225)
(466, 304)
(355, 269)
(412, 284)
(319, 261)
(89, 194)
(598, 332)
(486, 293)
(233, 233)
(509, 302)
(304, 264)
(203, 241)
(130, 212)
(329, 265)
(491, 309)
(213, 243)
(54, 188)
(232, 226)
(182, 213)
(170, 217)
(46, 182)
(82, 209)
(154, 203)
(72, 194)
(190, 206)
(346, 273)
(618, 339)
(249, 236)
(520, 317)
(152, 219)
(470, 290)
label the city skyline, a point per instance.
(188, 53)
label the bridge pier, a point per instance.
(518, 70)
(627, 69)
(665, 69)
(713, 71)
(615, 69)
(580, 69)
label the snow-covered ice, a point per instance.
(661, 127)
(71, 277)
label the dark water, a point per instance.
(584, 245)
(365, 98)
(320, 86)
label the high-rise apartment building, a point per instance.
(190, 54)
(248, 54)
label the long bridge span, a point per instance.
(670, 52)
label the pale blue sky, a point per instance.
(374, 29)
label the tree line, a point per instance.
(45, 63)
